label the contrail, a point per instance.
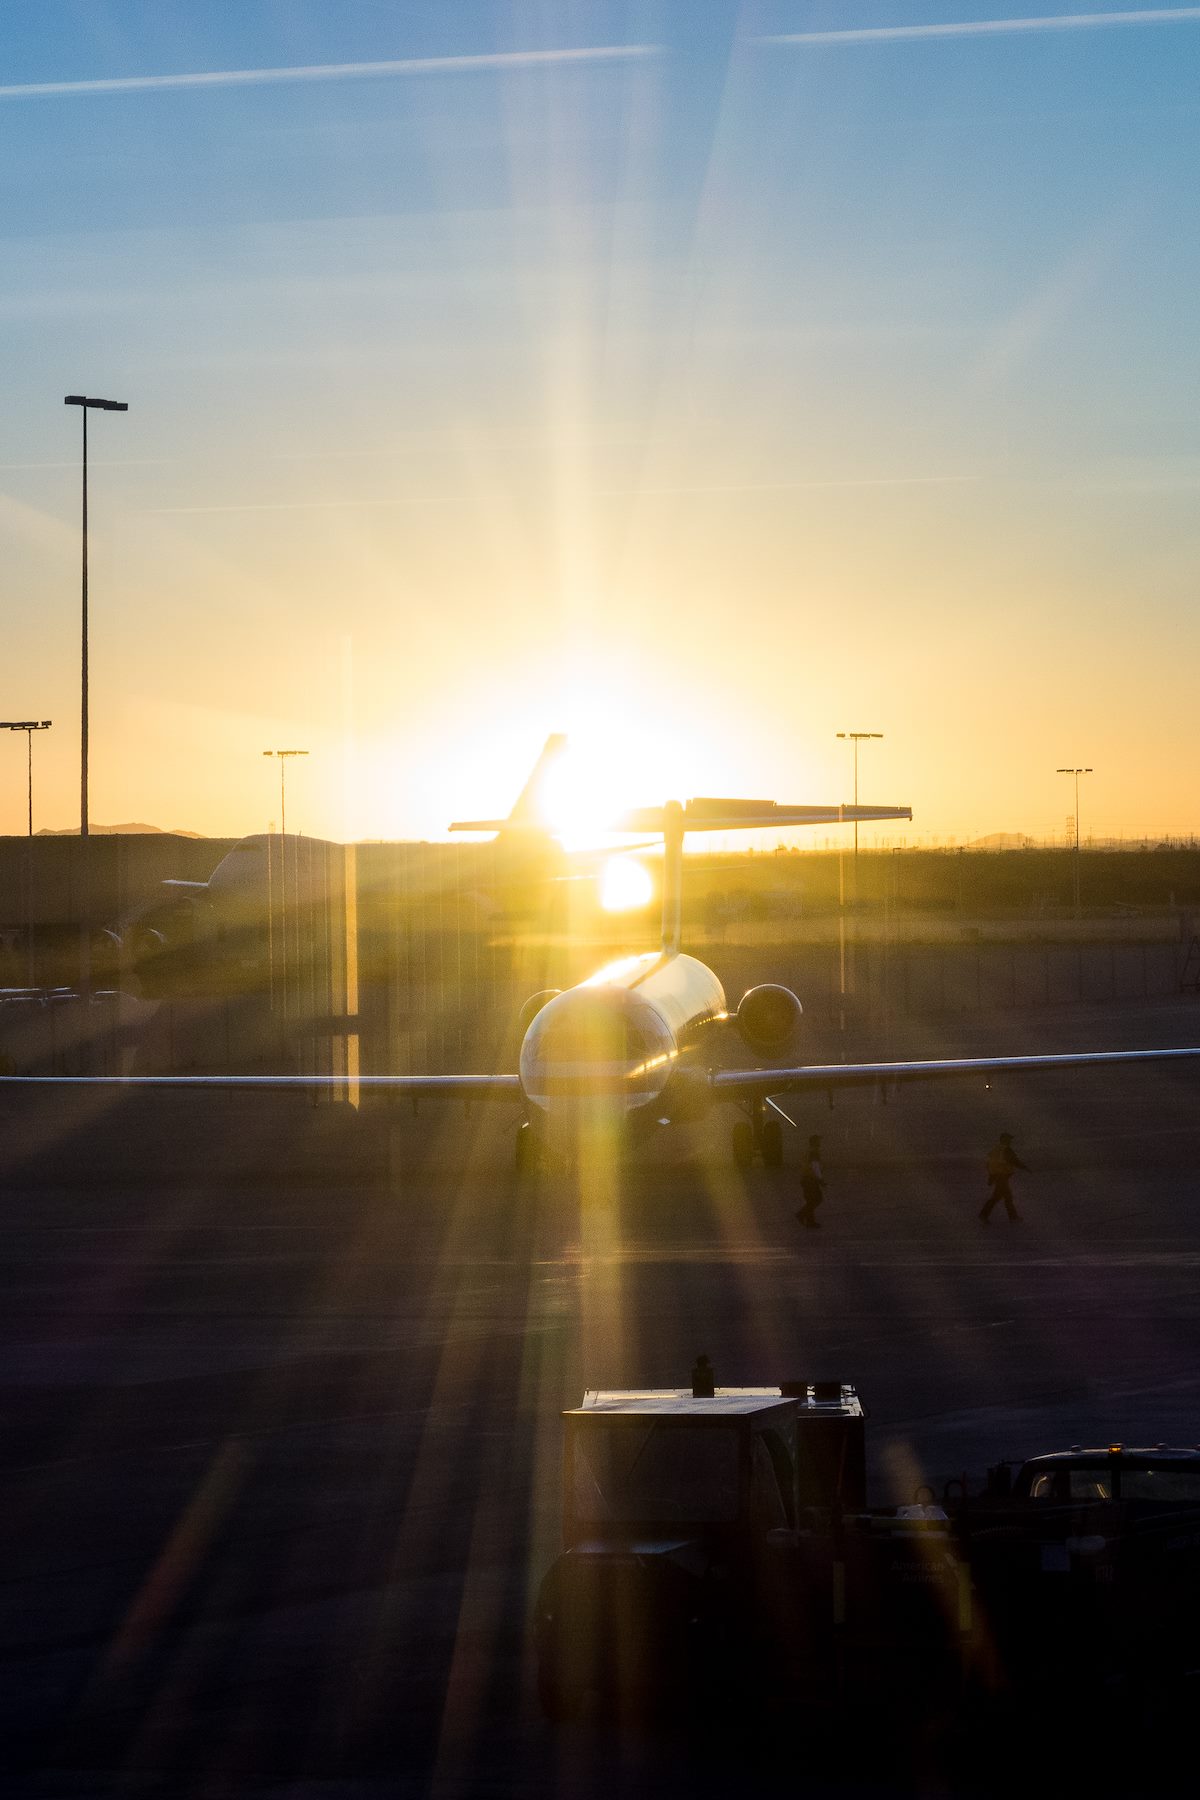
(107, 462)
(272, 506)
(881, 34)
(737, 487)
(419, 65)
(792, 487)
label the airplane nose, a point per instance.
(585, 1133)
(587, 1059)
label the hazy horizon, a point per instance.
(823, 840)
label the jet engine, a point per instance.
(768, 1017)
(533, 1007)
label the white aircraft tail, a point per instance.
(529, 811)
(672, 822)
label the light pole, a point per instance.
(283, 756)
(86, 403)
(1076, 773)
(856, 738)
(28, 726)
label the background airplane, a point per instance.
(205, 936)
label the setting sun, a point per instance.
(623, 751)
(580, 801)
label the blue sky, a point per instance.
(715, 395)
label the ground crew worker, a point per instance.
(812, 1185)
(1002, 1160)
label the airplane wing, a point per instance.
(750, 1084)
(740, 815)
(410, 1087)
(753, 815)
(726, 1084)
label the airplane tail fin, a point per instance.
(672, 822)
(529, 809)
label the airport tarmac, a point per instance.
(281, 1391)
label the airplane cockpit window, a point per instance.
(601, 1038)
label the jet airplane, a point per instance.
(639, 1043)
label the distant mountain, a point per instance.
(1002, 840)
(122, 831)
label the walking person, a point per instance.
(1002, 1162)
(812, 1185)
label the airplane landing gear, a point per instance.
(757, 1136)
(742, 1140)
(771, 1144)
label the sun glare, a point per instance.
(622, 752)
(579, 800)
(627, 748)
(625, 884)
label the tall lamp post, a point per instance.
(856, 738)
(86, 403)
(1076, 773)
(283, 756)
(28, 726)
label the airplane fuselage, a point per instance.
(626, 1046)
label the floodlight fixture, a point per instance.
(97, 404)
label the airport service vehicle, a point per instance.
(716, 1539)
(645, 1041)
(1087, 1566)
